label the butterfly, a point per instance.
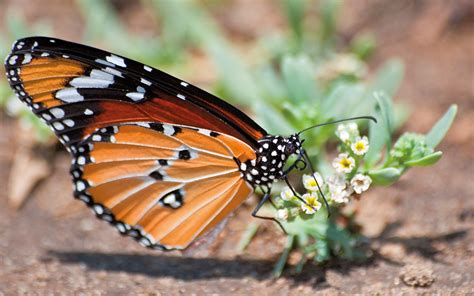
(160, 159)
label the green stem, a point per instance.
(278, 269)
(248, 236)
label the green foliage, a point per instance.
(439, 130)
(385, 176)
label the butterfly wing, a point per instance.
(153, 155)
(162, 184)
(77, 89)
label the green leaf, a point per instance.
(386, 108)
(439, 130)
(322, 251)
(329, 12)
(388, 78)
(280, 265)
(380, 132)
(385, 176)
(426, 160)
(342, 100)
(271, 119)
(298, 75)
(295, 10)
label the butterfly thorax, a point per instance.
(272, 155)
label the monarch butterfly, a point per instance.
(160, 159)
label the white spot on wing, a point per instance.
(181, 97)
(113, 71)
(69, 95)
(81, 160)
(98, 209)
(147, 68)
(69, 122)
(12, 59)
(58, 126)
(135, 96)
(57, 112)
(144, 124)
(27, 58)
(184, 83)
(116, 60)
(96, 138)
(144, 81)
(204, 131)
(170, 199)
(88, 112)
(98, 74)
(87, 82)
(168, 129)
(100, 61)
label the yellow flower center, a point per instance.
(311, 201)
(360, 146)
(346, 163)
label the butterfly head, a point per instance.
(293, 145)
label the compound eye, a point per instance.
(289, 149)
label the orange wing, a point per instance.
(76, 89)
(165, 185)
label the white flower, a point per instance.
(312, 204)
(343, 133)
(344, 136)
(353, 127)
(282, 214)
(339, 189)
(343, 163)
(309, 181)
(361, 183)
(340, 196)
(360, 146)
(287, 193)
(346, 132)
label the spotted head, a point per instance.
(272, 154)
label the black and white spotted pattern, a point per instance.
(271, 158)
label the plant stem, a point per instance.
(247, 236)
(278, 269)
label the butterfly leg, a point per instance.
(266, 198)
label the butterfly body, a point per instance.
(272, 155)
(160, 159)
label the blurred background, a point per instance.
(288, 64)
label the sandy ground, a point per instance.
(421, 229)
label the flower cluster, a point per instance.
(347, 180)
(409, 146)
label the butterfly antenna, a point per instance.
(337, 121)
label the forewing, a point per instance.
(77, 89)
(165, 185)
